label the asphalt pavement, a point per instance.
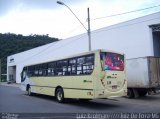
(12, 99)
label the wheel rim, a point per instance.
(59, 95)
(29, 91)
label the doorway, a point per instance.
(12, 74)
(156, 39)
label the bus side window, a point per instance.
(45, 68)
(36, 70)
(30, 72)
(24, 74)
(89, 64)
(51, 69)
(72, 66)
(65, 67)
(80, 63)
(85, 65)
(59, 69)
(40, 70)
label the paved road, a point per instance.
(13, 100)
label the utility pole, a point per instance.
(89, 31)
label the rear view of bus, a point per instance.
(113, 78)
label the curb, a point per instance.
(11, 84)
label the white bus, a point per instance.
(95, 74)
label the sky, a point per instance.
(44, 17)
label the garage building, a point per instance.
(136, 38)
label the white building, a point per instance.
(136, 38)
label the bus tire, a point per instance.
(29, 90)
(60, 95)
(130, 93)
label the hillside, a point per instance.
(12, 44)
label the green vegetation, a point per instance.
(12, 44)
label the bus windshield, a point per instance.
(112, 61)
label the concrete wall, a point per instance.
(134, 38)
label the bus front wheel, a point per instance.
(29, 91)
(60, 95)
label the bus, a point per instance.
(98, 74)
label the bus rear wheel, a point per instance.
(60, 95)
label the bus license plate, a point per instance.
(114, 87)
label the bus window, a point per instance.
(72, 67)
(85, 64)
(64, 67)
(44, 69)
(52, 69)
(40, 70)
(80, 63)
(61, 68)
(36, 70)
(30, 71)
(90, 59)
(24, 74)
(112, 61)
(89, 64)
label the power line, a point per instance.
(72, 30)
(113, 15)
(126, 12)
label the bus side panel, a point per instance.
(72, 86)
(43, 90)
(79, 94)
